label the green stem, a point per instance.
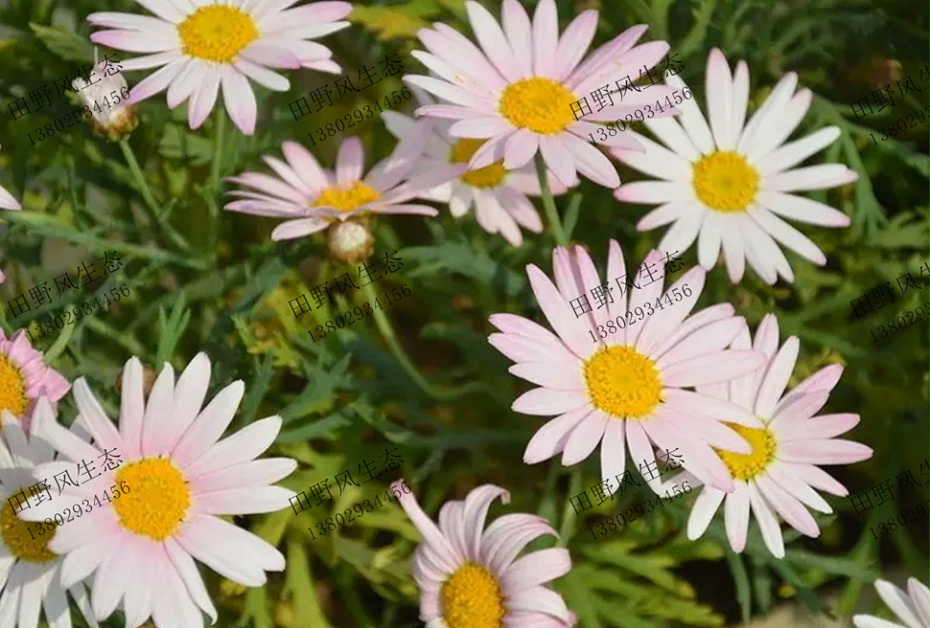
(552, 213)
(384, 326)
(214, 205)
(567, 529)
(165, 231)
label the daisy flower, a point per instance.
(200, 46)
(313, 198)
(517, 87)
(24, 377)
(180, 478)
(912, 607)
(780, 474)
(7, 201)
(727, 184)
(498, 195)
(467, 574)
(30, 573)
(113, 122)
(624, 387)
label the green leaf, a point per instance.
(66, 44)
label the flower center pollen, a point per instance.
(347, 197)
(538, 104)
(15, 534)
(471, 598)
(748, 466)
(217, 32)
(158, 500)
(725, 181)
(12, 387)
(623, 382)
(487, 177)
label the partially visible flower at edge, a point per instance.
(780, 474)
(517, 87)
(912, 606)
(181, 477)
(24, 377)
(114, 121)
(725, 185)
(200, 47)
(7, 202)
(467, 574)
(314, 198)
(29, 571)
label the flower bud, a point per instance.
(350, 241)
(105, 98)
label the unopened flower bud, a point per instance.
(350, 241)
(110, 117)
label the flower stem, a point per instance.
(552, 213)
(165, 231)
(214, 205)
(384, 326)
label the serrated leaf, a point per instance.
(66, 44)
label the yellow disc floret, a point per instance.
(12, 387)
(538, 104)
(487, 177)
(748, 466)
(158, 498)
(347, 196)
(623, 382)
(471, 598)
(725, 181)
(217, 32)
(23, 542)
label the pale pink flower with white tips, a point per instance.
(24, 377)
(780, 474)
(912, 607)
(7, 201)
(729, 185)
(470, 575)
(517, 87)
(201, 45)
(313, 198)
(626, 389)
(180, 478)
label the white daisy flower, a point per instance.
(200, 45)
(516, 88)
(500, 196)
(30, 573)
(180, 477)
(779, 475)
(912, 606)
(727, 184)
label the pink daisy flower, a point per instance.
(467, 574)
(781, 472)
(729, 185)
(201, 46)
(516, 88)
(175, 479)
(912, 607)
(24, 377)
(624, 387)
(313, 198)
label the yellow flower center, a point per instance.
(471, 598)
(347, 197)
(12, 387)
(217, 32)
(748, 466)
(15, 534)
(725, 181)
(487, 177)
(623, 382)
(158, 499)
(538, 104)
